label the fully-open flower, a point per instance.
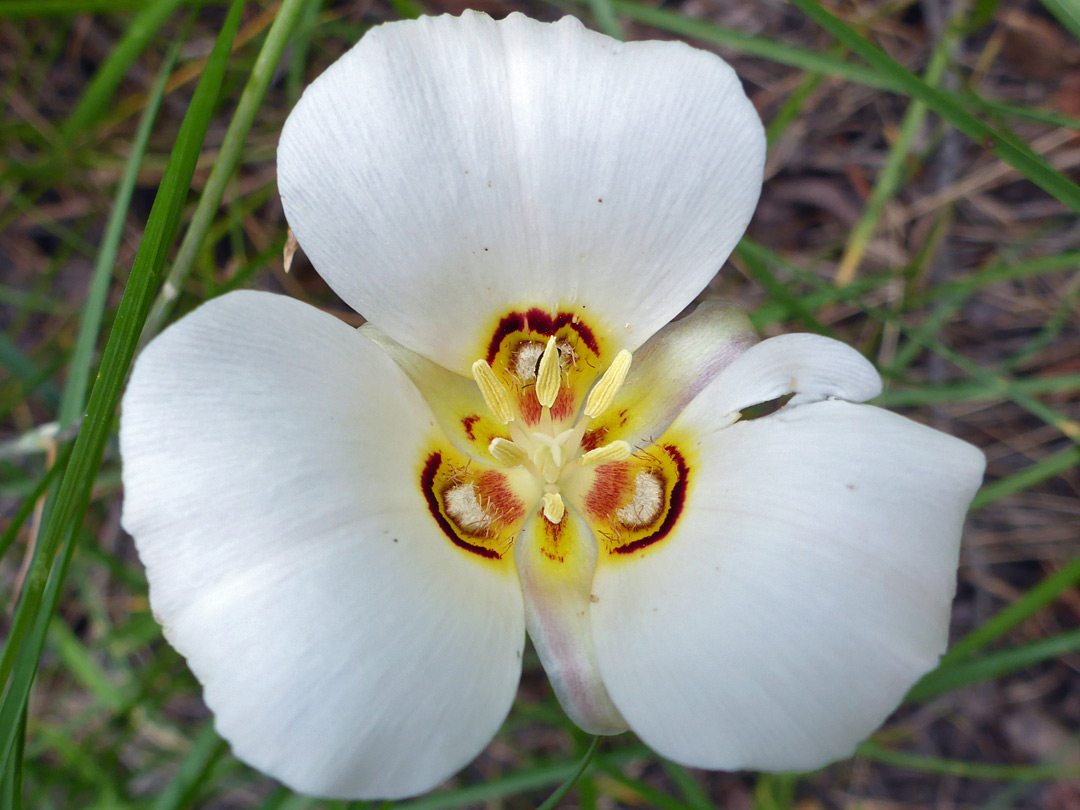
(347, 533)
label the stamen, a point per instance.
(493, 392)
(615, 451)
(506, 452)
(604, 391)
(549, 375)
(554, 509)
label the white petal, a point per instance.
(673, 367)
(271, 464)
(448, 168)
(805, 588)
(811, 366)
(555, 564)
(454, 400)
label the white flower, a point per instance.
(347, 533)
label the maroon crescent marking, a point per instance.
(536, 320)
(514, 322)
(427, 484)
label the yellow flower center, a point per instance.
(552, 456)
(553, 427)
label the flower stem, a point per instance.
(554, 799)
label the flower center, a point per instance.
(558, 419)
(552, 454)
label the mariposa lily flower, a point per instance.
(348, 532)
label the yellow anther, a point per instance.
(604, 391)
(506, 452)
(614, 451)
(493, 392)
(549, 376)
(554, 509)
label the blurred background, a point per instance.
(919, 203)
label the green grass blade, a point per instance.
(1003, 109)
(813, 61)
(982, 12)
(1028, 477)
(523, 780)
(791, 109)
(11, 788)
(26, 371)
(78, 661)
(1010, 150)
(1017, 612)
(688, 785)
(82, 356)
(229, 156)
(18, 662)
(1068, 305)
(774, 791)
(298, 58)
(12, 731)
(967, 770)
(606, 19)
(407, 9)
(46, 8)
(972, 390)
(993, 381)
(758, 269)
(194, 771)
(780, 52)
(285, 799)
(994, 665)
(26, 508)
(1067, 13)
(99, 92)
(1001, 271)
(560, 792)
(892, 172)
(650, 796)
(74, 395)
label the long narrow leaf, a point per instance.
(1010, 150)
(1005, 772)
(1067, 13)
(75, 487)
(194, 771)
(100, 90)
(1026, 606)
(82, 357)
(560, 792)
(229, 156)
(995, 665)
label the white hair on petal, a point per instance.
(647, 503)
(464, 508)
